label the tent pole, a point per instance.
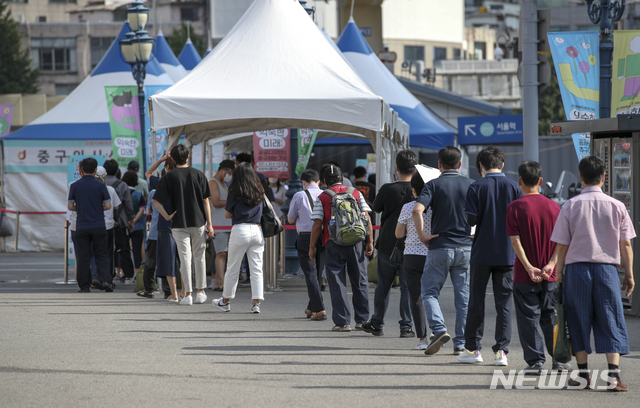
(204, 157)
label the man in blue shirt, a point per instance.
(300, 211)
(492, 255)
(89, 197)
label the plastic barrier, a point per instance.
(17, 212)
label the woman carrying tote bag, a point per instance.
(244, 206)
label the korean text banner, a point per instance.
(124, 121)
(6, 112)
(306, 139)
(271, 151)
(625, 84)
(576, 58)
(161, 136)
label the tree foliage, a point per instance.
(16, 74)
(178, 39)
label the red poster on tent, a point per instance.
(271, 152)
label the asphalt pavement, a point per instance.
(60, 348)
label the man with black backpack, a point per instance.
(389, 201)
(122, 216)
(340, 213)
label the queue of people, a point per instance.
(450, 227)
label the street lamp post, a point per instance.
(606, 13)
(137, 48)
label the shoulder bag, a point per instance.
(270, 222)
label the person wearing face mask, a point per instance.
(278, 193)
(218, 199)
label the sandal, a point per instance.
(142, 293)
(321, 315)
(309, 313)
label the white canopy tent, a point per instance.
(276, 70)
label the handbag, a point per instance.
(397, 255)
(270, 222)
(561, 340)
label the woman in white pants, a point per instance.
(245, 201)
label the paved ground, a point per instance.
(59, 348)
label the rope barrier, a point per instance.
(32, 212)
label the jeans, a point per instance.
(312, 271)
(340, 262)
(245, 239)
(440, 263)
(191, 244)
(386, 275)
(413, 268)
(502, 277)
(535, 306)
(88, 240)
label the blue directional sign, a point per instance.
(490, 129)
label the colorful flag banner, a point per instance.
(161, 136)
(576, 58)
(306, 139)
(124, 121)
(625, 85)
(272, 152)
(6, 113)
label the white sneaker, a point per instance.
(187, 300)
(501, 359)
(128, 281)
(225, 307)
(255, 308)
(200, 298)
(470, 356)
(423, 344)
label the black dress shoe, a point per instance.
(96, 284)
(84, 290)
(107, 287)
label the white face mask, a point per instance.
(227, 178)
(273, 180)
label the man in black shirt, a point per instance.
(389, 202)
(188, 191)
(449, 252)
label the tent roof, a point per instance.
(273, 70)
(426, 129)
(83, 115)
(189, 56)
(168, 60)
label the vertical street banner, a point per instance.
(124, 121)
(6, 113)
(576, 58)
(306, 139)
(625, 84)
(161, 136)
(272, 152)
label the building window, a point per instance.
(120, 14)
(439, 54)
(457, 54)
(65, 89)
(555, 29)
(17, 1)
(189, 14)
(480, 50)
(99, 47)
(54, 54)
(41, 19)
(413, 53)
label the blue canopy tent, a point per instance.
(189, 56)
(426, 129)
(168, 60)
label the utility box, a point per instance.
(617, 142)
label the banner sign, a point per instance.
(272, 152)
(6, 113)
(161, 136)
(478, 130)
(38, 156)
(306, 139)
(576, 58)
(124, 121)
(625, 86)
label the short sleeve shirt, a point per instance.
(300, 208)
(115, 201)
(153, 226)
(322, 213)
(488, 199)
(88, 193)
(242, 213)
(186, 188)
(412, 243)
(592, 224)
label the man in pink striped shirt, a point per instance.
(592, 232)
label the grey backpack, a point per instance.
(348, 224)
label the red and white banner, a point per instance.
(272, 150)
